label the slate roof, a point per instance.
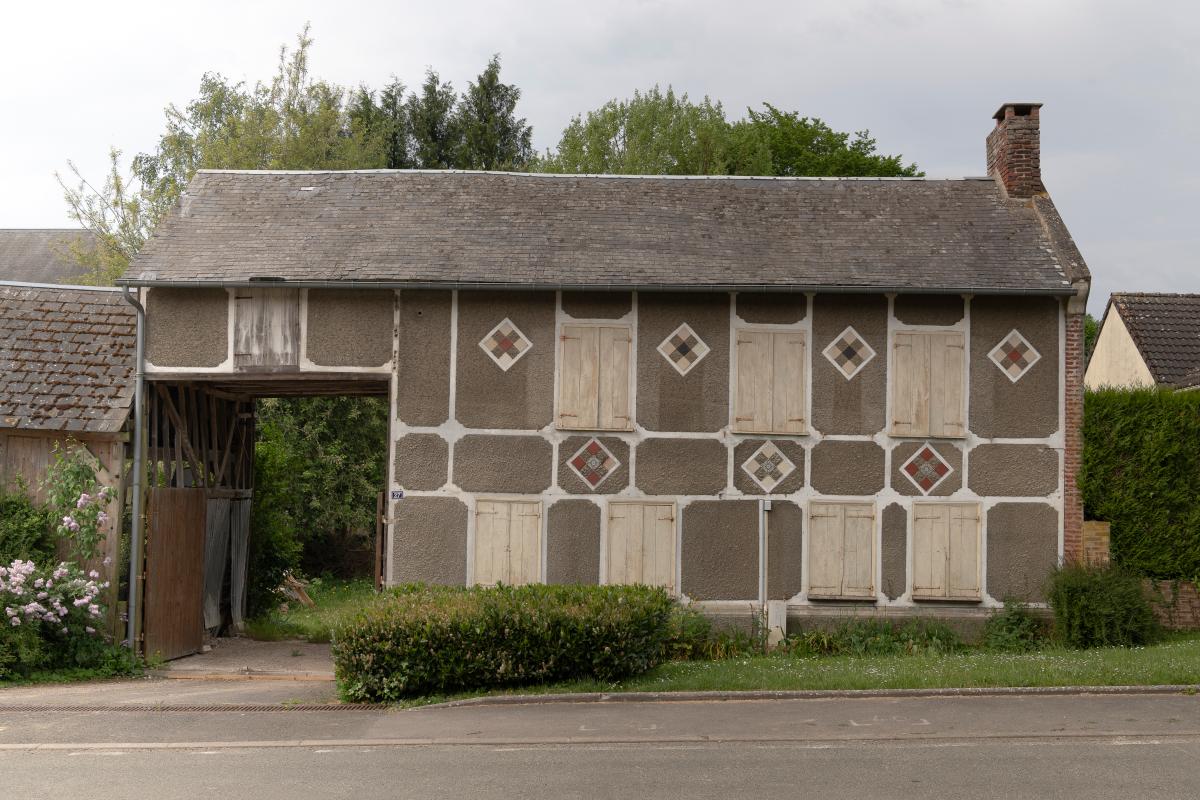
(474, 229)
(66, 358)
(1166, 330)
(40, 255)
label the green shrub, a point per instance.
(25, 528)
(1100, 607)
(1141, 473)
(1013, 630)
(693, 637)
(869, 637)
(424, 639)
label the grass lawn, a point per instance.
(1175, 661)
(334, 599)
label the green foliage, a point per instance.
(869, 637)
(1091, 329)
(691, 635)
(274, 549)
(25, 527)
(425, 639)
(334, 602)
(292, 121)
(76, 501)
(662, 133)
(1141, 473)
(1101, 607)
(1013, 630)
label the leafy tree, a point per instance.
(433, 124)
(492, 136)
(1091, 329)
(661, 133)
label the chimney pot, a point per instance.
(1014, 149)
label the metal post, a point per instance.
(138, 521)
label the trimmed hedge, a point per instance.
(1101, 607)
(26, 529)
(1141, 473)
(420, 640)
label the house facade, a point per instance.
(1147, 339)
(836, 393)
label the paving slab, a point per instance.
(241, 658)
(152, 691)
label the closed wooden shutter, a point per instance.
(946, 550)
(928, 384)
(266, 331)
(929, 551)
(507, 542)
(910, 389)
(947, 382)
(964, 544)
(841, 550)
(789, 360)
(614, 346)
(752, 398)
(641, 544)
(593, 390)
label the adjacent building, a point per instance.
(1147, 340)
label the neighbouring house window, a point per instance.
(841, 550)
(266, 332)
(770, 376)
(641, 544)
(508, 542)
(928, 383)
(946, 547)
(594, 376)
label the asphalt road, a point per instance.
(1093, 746)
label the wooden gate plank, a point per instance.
(173, 608)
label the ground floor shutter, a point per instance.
(946, 551)
(507, 542)
(641, 544)
(841, 550)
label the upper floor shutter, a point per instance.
(770, 391)
(593, 378)
(947, 382)
(928, 381)
(266, 330)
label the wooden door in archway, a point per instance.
(173, 599)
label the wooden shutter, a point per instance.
(266, 332)
(910, 388)
(946, 549)
(964, 545)
(593, 388)
(947, 384)
(858, 561)
(787, 389)
(929, 550)
(841, 550)
(641, 544)
(507, 542)
(752, 398)
(826, 523)
(578, 382)
(613, 404)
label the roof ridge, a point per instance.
(75, 287)
(596, 175)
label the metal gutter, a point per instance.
(138, 521)
(1065, 291)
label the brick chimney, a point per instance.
(1014, 149)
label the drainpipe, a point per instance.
(135, 539)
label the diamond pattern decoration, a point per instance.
(684, 349)
(849, 352)
(926, 469)
(594, 463)
(1014, 356)
(768, 466)
(505, 344)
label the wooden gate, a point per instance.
(173, 616)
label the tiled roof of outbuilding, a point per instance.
(66, 358)
(1166, 330)
(530, 230)
(40, 255)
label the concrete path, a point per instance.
(239, 657)
(161, 692)
(1095, 746)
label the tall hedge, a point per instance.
(1141, 472)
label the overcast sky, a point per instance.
(1120, 82)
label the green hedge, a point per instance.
(1141, 473)
(420, 640)
(1101, 607)
(26, 529)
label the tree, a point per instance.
(492, 136)
(433, 123)
(661, 133)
